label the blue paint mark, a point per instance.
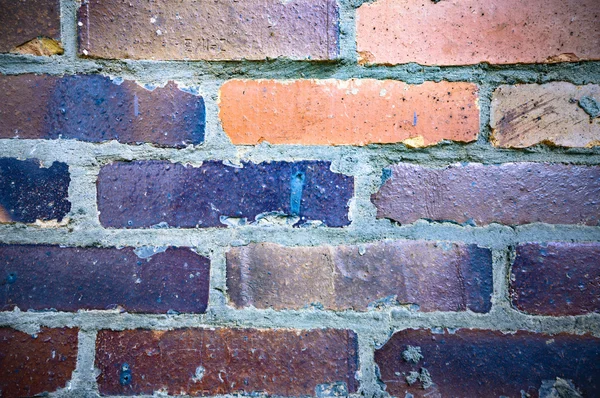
(11, 278)
(386, 174)
(415, 118)
(297, 186)
(125, 375)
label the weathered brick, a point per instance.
(223, 30)
(434, 275)
(556, 278)
(25, 23)
(348, 112)
(145, 193)
(34, 364)
(30, 191)
(225, 361)
(483, 363)
(471, 31)
(41, 277)
(511, 194)
(553, 113)
(95, 109)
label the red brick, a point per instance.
(31, 192)
(95, 109)
(142, 194)
(450, 32)
(348, 112)
(34, 364)
(437, 276)
(481, 363)
(552, 113)
(225, 361)
(223, 30)
(41, 277)
(25, 21)
(556, 278)
(511, 194)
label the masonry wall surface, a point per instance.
(263, 211)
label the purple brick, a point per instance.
(556, 278)
(483, 363)
(24, 21)
(145, 193)
(511, 194)
(30, 192)
(209, 30)
(437, 276)
(93, 108)
(40, 277)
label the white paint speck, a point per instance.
(85, 52)
(383, 92)
(152, 20)
(79, 23)
(158, 32)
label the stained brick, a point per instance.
(553, 113)
(515, 193)
(34, 364)
(145, 193)
(472, 31)
(434, 275)
(484, 363)
(223, 30)
(556, 278)
(39, 277)
(348, 112)
(225, 361)
(25, 21)
(95, 109)
(30, 191)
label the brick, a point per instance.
(223, 30)
(348, 112)
(552, 113)
(42, 277)
(225, 361)
(93, 108)
(23, 22)
(34, 364)
(142, 194)
(486, 363)
(515, 194)
(437, 276)
(30, 191)
(556, 278)
(470, 31)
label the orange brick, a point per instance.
(348, 112)
(464, 32)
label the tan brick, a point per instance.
(451, 32)
(553, 113)
(434, 275)
(350, 112)
(209, 30)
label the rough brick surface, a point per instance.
(225, 361)
(434, 275)
(471, 31)
(223, 30)
(142, 194)
(30, 191)
(34, 364)
(488, 364)
(44, 277)
(23, 21)
(556, 278)
(511, 194)
(348, 112)
(554, 113)
(95, 109)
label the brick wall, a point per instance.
(305, 197)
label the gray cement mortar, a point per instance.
(365, 164)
